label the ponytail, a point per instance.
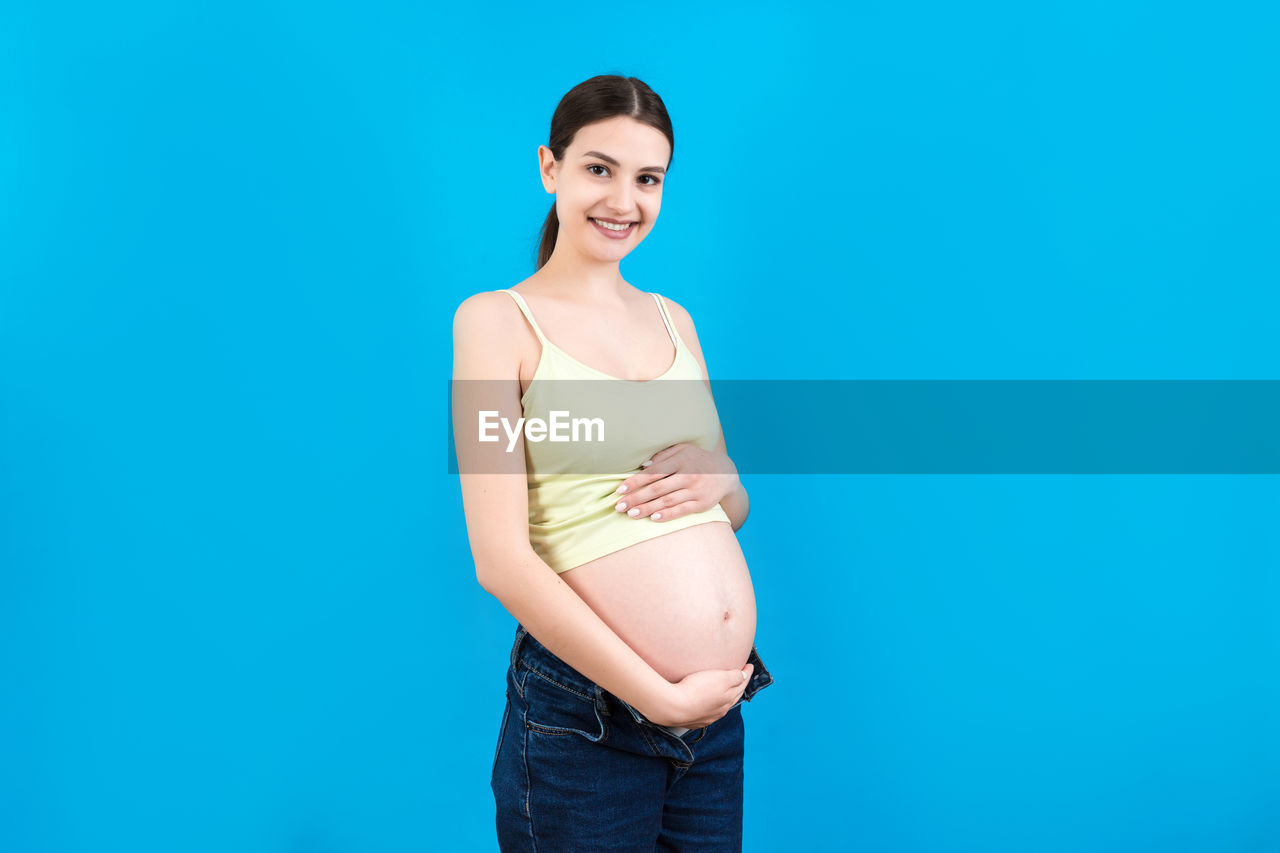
(550, 228)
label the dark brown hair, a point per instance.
(593, 100)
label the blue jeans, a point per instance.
(577, 768)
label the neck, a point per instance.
(582, 279)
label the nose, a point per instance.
(620, 199)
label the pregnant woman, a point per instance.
(635, 613)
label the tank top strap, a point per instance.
(666, 318)
(528, 315)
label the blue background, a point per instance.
(237, 606)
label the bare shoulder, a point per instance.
(687, 330)
(684, 323)
(485, 309)
(486, 332)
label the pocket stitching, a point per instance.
(545, 728)
(563, 687)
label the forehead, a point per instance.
(624, 138)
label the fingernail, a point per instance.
(744, 676)
(633, 512)
(646, 463)
(656, 516)
(620, 506)
(621, 489)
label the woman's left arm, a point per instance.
(736, 505)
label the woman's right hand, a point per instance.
(701, 698)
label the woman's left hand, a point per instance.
(678, 480)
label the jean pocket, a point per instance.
(556, 709)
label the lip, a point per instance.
(613, 235)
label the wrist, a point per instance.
(661, 701)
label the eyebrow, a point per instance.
(613, 162)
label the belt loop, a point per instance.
(521, 633)
(601, 705)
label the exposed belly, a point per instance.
(683, 601)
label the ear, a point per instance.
(547, 168)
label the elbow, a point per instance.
(485, 575)
(494, 564)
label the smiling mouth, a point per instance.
(612, 226)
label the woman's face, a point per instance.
(613, 171)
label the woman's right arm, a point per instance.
(496, 503)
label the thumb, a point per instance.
(746, 671)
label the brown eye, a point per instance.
(606, 168)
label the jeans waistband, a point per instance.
(538, 657)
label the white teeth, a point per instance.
(611, 226)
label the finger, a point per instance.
(665, 461)
(657, 470)
(665, 453)
(667, 492)
(686, 507)
(632, 483)
(638, 505)
(666, 507)
(635, 482)
(655, 496)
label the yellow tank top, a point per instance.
(572, 484)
